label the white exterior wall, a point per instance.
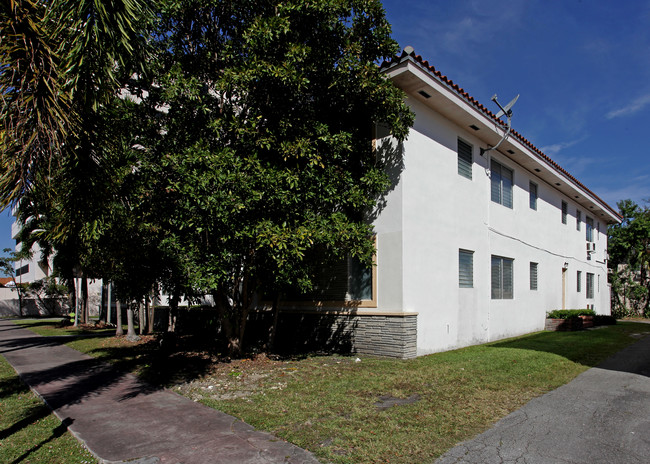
(433, 212)
(36, 270)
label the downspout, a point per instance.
(488, 199)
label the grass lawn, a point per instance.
(28, 432)
(376, 410)
(53, 326)
(333, 406)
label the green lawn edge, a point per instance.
(331, 405)
(29, 432)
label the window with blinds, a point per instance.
(533, 276)
(590, 285)
(501, 184)
(578, 219)
(579, 281)
(589, 229)
(502, 278)
(565, 211)
(465, 269)
(532, 194)
(464, 159)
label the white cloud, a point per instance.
(470, 28)
(637, 192)
(634, 106)
(554, 149)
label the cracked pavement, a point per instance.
(602, 416)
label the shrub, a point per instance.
(568, 313)
(599, 319)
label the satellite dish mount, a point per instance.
(504, 111)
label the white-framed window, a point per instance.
(501, 184)
(579, 281)
(590, 285)
(532, 194)
(465, 269)
(533, 275)
(464, 159)
(589, 229)
(502, 278)
(565, 211)
(578, 219)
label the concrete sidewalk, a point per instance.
(120, 418)
(602, 416)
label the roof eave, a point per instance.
(413, 75)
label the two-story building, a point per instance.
(472, 245)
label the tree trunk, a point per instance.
(102, 305)
(76, 304)
(118, 308)
(72, 294)
(130, 334)
(274, 327)
(109, 316)
(142, 318)
(19, 292)
(173, 310)
(150, 314)
(84, 301)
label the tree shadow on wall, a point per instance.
(302, 333)
(390, 156)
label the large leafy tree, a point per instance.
(258, 139)
(238, 160)
(629, 251)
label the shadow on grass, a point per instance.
(56, 433)
(621, 348)
(32, 415)
(161, 367)
(64, 324)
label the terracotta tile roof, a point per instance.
(467, 97)
(4, 281)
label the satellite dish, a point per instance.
(505, 109)
(507, 112)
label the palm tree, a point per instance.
(60, 60)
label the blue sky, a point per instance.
(582, 69)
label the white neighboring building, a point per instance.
(471, 247)
(29, 270)
(35, 268)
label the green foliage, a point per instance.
(238, 160)
(569, 313)
(629, 251)
(265, 168)
(7, 262)
(47, 286)
(60, 60)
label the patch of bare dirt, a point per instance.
(239, 378)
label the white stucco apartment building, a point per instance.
(29, 270)
(472, 247)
